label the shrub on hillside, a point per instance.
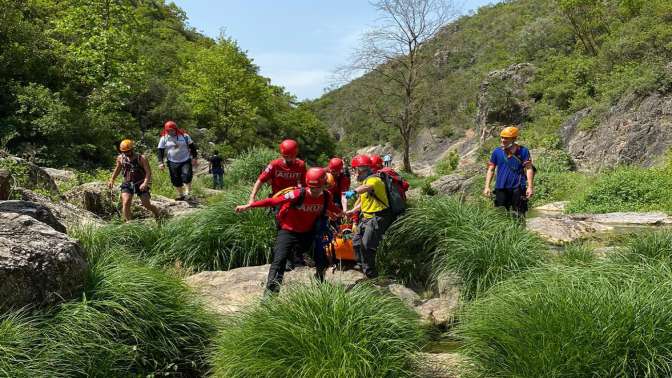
(607, 321)
(320, 330)
(626, 189)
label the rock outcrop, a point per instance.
(638, 130)
(60, 175)
(455, 183)
(36, 176)
(38, 265)
(33, 210)
(5, 184)
(67, 214)
(503, 99)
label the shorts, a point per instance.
(133, 188)
(511, 199)
(180, 173)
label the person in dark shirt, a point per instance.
(217, 170)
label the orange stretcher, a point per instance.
(341, 248)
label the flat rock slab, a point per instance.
(228, 292)
(563, 229)
(439, 365)
(553, 207)
(647, 219)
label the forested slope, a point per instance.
(77, 75)
(586, 54)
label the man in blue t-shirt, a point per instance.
(514, 185)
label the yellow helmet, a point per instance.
(509, 132)
(126, 145)
(331, 182)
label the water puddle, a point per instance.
(442, 346)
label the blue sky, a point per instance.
(297, 43)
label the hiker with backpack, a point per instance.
(377, 212)
(378, 168)
(180, 151)
(514, 184)
(302, 216)
(137, 175)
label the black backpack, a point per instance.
(397, 204)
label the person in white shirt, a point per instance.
(177, 147)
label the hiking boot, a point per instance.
(180, 198)
(289, 266)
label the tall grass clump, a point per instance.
(604, 321)
(136, 237)
(646, 246)
(19, 341)
(446, 236)
(132, 320)
(576, 254)
(216, 238)
(320, 330)
(247, 166)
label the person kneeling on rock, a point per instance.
(301, 212)
(137, 178)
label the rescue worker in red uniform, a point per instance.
(300, 211)
(283, 173)
(342, 182)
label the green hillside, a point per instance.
(587, 54)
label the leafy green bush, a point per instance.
(448, 164)
(442, 235)
(320, 330)
(607, 321)
(626, 189)
(248, 165)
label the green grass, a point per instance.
(132, 320)
(214, 238)
(320, 330)
(246, 168)
(608, 321)
(443, 235)
(576, 254)
(646, 246)
(626, 189)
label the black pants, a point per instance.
(369, 234)
(285, 244)
(180, 173)
(512, 199)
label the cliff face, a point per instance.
(638, 130)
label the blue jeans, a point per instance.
(217, 180)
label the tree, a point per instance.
(391, 57)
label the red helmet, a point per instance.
(377, 162)
(316, 177)
(289, 147)
(170, 125)
(361, 161)
(336, 165)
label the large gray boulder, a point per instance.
(503, 99)
(638, 130)
(563, 229)
(36, 177)
(38, 265)
(451, 184)
(60, 175)
(33, 210)
(5, 184)
(94, 197)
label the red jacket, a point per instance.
(396, 178)
(298, 218)
(282, 175)
(342, 185)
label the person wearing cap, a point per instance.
(300, 211)
(514, 184)
(282, 173)
(180, 151)
(376, 215)
(137, 175)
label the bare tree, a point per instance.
(390, 57)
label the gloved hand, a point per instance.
(350, 194)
